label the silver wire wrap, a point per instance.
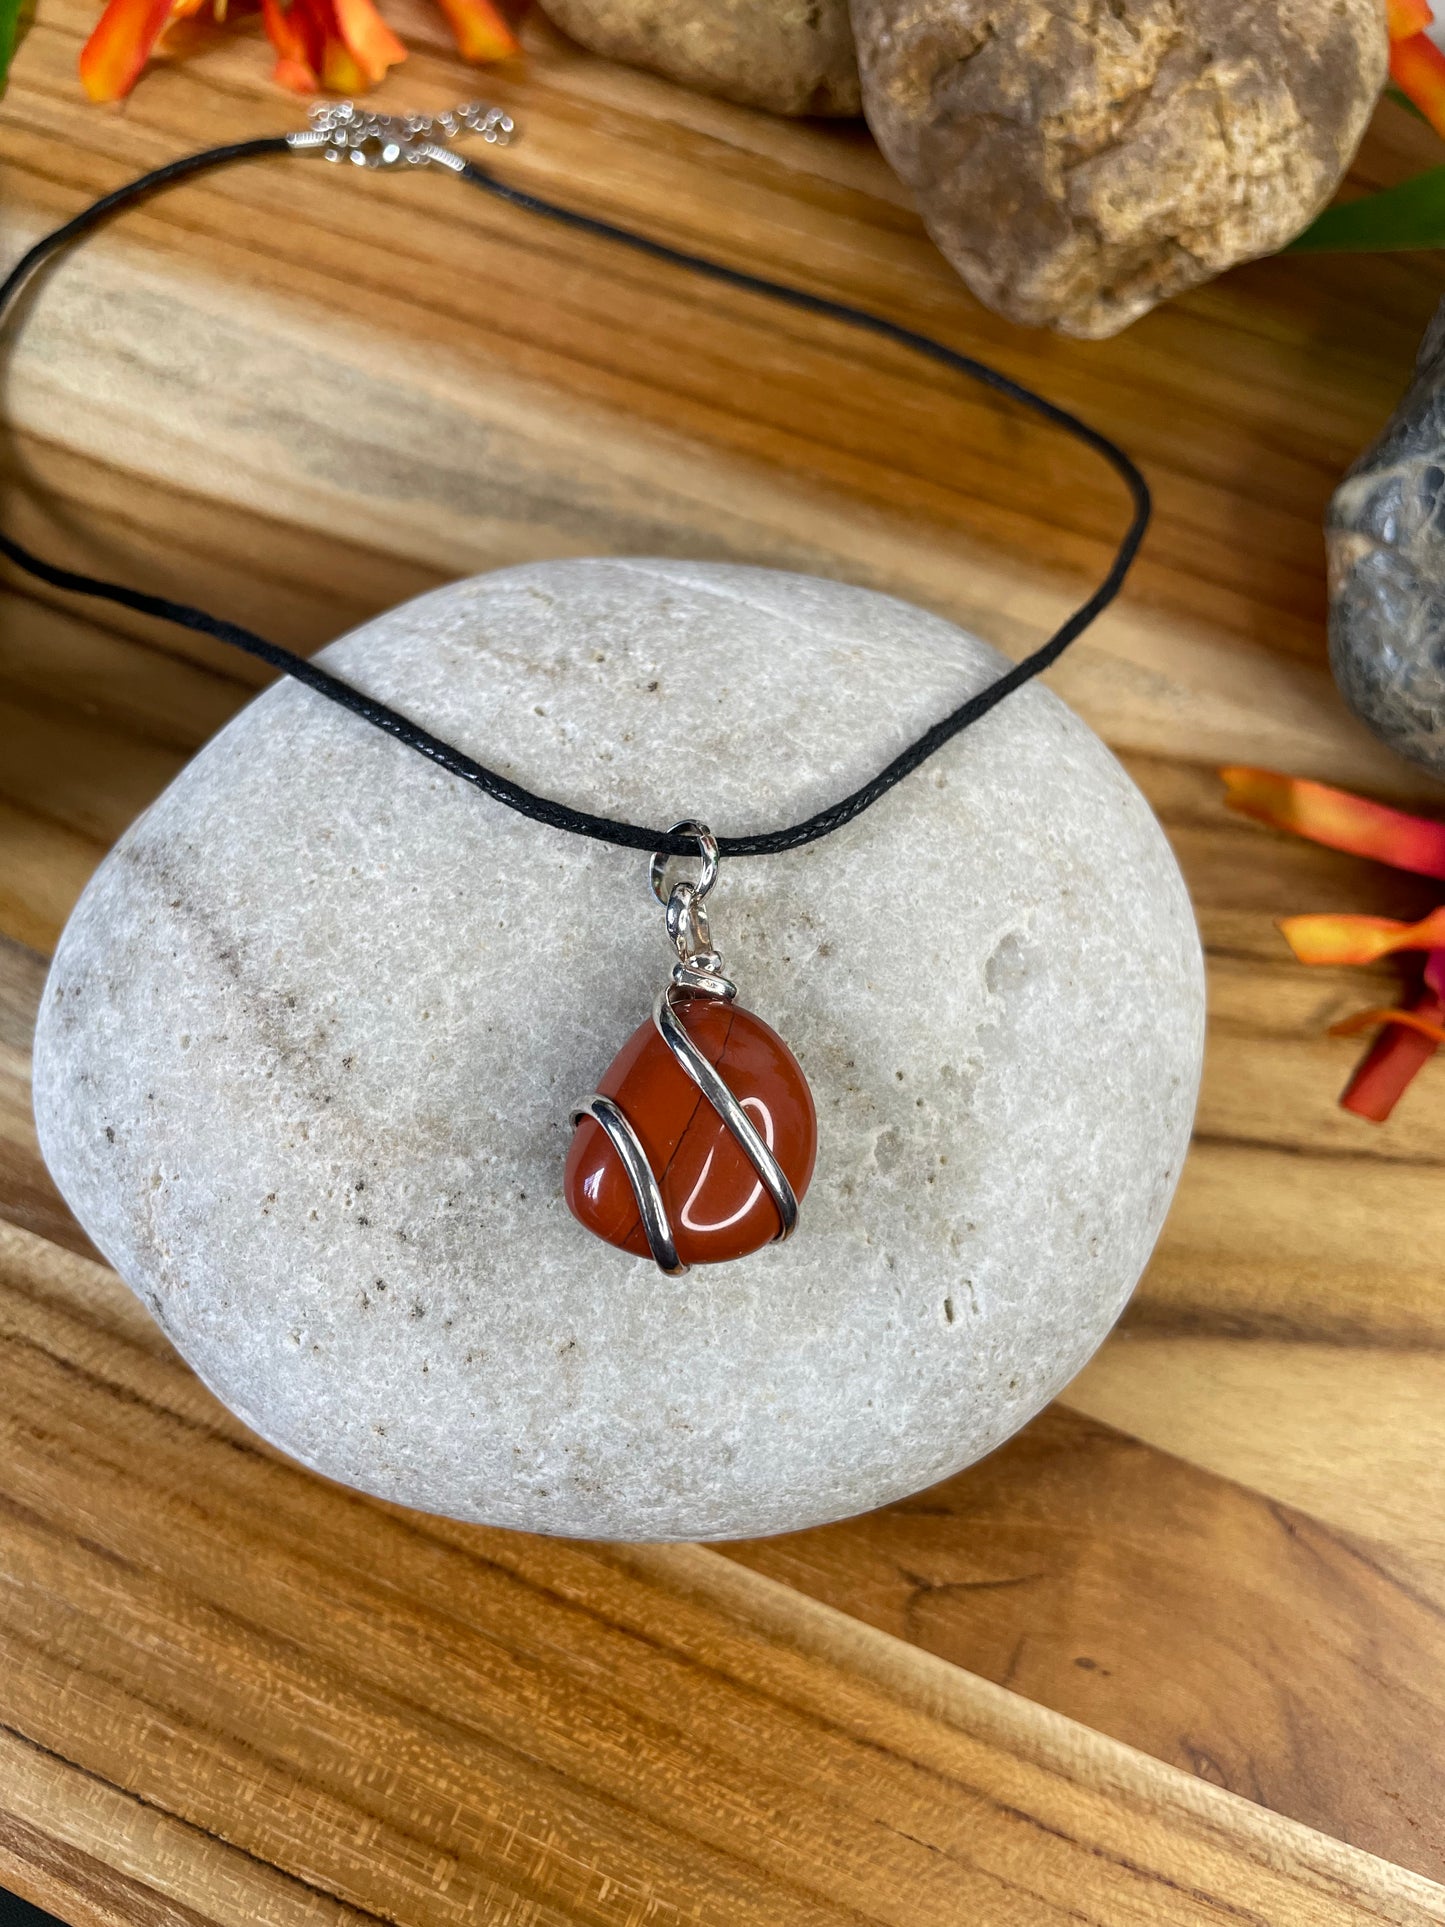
(645, 1188)
(697, 973)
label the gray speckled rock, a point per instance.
(1386, 538)
(307, 1050)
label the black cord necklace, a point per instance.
(751, 1143)
(388, 141)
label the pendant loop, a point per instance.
(707, 875)
(698, 968)
(687, 922)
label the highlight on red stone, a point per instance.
(716, 1203)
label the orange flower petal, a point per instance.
(1338, 819)
(480, 31)
(1368, 1019)
(287, 33)
(369, 41)
(1417, 68)
(294, 75)
(339, 72)
(1359, 940)
(112, 59)
(1406, 17)
(1392, 1061)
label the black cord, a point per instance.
(559, 815)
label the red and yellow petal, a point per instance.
(370, 42)
(1334, 939)
(1417, 68)
(1338, 819)
(480, 31)
(296, 58)
(121, 44)
(1395, 1058)
(1388, 1014)
(1404, 18)
(340, 73)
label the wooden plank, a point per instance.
(1156, 1602)
(435, 1723)
(28, 1196)
(85, 1890)
(575, 400)
(1355, 1436)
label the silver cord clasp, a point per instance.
(699, 967)
(342, 131)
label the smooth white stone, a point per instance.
(308, 1048)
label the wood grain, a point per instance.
(232, 1693)
(434, 1723)
(1155, 1601)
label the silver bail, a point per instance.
(699, 967)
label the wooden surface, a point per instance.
(1177, 1653)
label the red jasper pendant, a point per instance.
(699, 1143)
(716, 1204)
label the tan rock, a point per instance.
(1080, 160)
(790, 56)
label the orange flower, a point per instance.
(1404, 1046)
(1417, 65)
(1409, 1035)
(1344, 822)
(1405, 18)
(124, 38)
(1388, 1014)
(1359, 940)
(481, 33)
(342, 45)
(367, 40)
(297, 57)
(1417, 68)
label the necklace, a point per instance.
(699, 1143)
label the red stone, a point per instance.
(717, 1206)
